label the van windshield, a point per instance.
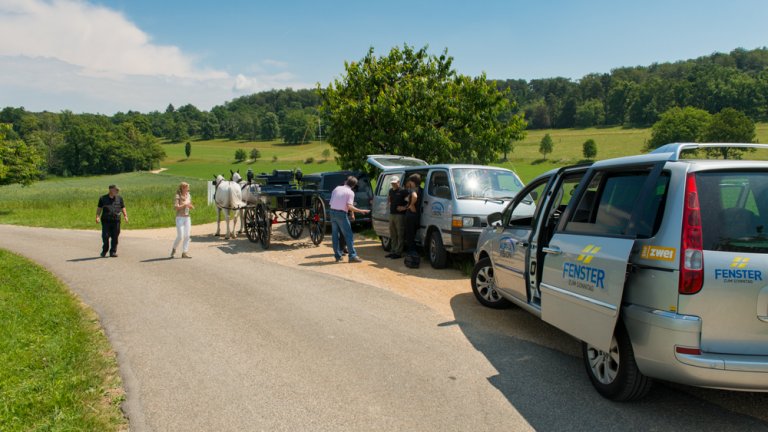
(484, 183)
(734, 210)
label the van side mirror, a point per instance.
(535, 195)
(494, 219)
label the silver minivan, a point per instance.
(657, 263)
(454, 202)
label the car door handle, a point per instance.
(552, 250)
(524, 244)
(426, 202)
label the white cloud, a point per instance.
(98, 60)
(96, 38)
(246, 84)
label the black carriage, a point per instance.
(281, 200)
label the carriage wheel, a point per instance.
(317, 220)
(294, 222)
(250, 224)
(263, 225)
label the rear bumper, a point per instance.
(655, 335)
(464, 240)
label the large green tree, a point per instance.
(19, 163)
(679, 125)
(298, 127)
(729, 126)
(270, 126)
(412, 103)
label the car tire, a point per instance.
(386, 243)
(484, 286)
(438, 256)
(615, 374)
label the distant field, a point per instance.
(71, 203)
(217, 157)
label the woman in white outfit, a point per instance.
(183, 204)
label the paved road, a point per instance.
(228, 341)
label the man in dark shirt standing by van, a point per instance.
(108, 212)
(397, 200)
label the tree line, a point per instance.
(637, 96)
(406, 101)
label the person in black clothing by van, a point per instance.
(108, 212)
(412, 212)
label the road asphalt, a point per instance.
(232, 342)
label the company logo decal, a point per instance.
(658, 253)
(581, 275)
(588, 253)
(506, 247)
(437, 209)
(738, 272)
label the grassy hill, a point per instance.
(71, 202)
(217, 156)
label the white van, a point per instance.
(455, 202)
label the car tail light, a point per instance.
(692, 256)
(686, 350)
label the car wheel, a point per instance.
(386, 243)
(615, 374)
(438, 256)
(484, 286)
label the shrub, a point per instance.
(240, 155)
(546, 145)
(589, 149)
(309, 160)
(255, 154)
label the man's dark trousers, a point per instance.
(109, 230)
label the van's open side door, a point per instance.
(587, 261)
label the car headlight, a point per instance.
(462, 221)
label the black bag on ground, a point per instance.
(412, 260)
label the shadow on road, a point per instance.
(156, 259)
(85, 259)
(550, 388)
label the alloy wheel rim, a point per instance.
(485, 284)
(604, 365)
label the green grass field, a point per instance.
(217, 157)
(57, 370)
(70, 203)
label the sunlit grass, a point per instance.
(71, 203)
(57, 371)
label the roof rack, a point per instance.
(675, 149)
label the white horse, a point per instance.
(228, 198)
(251, 194)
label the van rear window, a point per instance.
(734, 210)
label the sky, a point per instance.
(105, 56)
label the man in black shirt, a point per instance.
(397, 204)
(108, 212)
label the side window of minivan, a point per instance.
(734, 210)
(385, 185)
(609, 200)
(439, 186)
